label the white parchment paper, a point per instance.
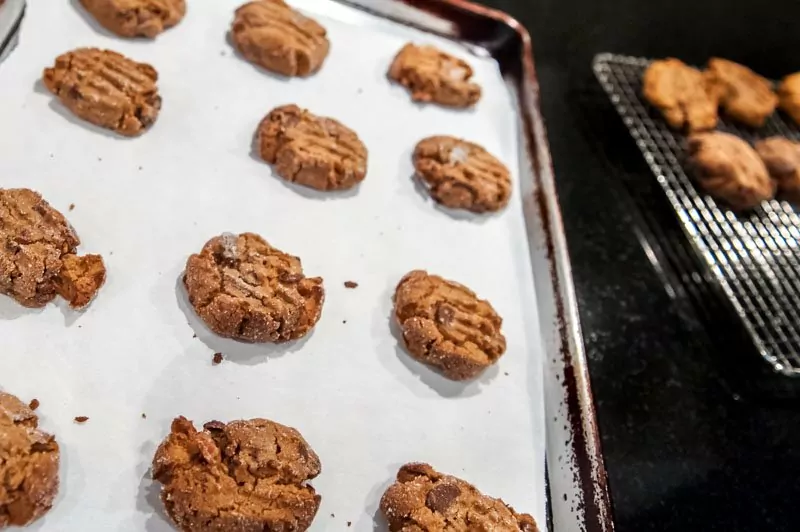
(147, 203)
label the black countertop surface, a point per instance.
(697, 433)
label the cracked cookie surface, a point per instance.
(424, 500)
(38, 254)
(782, 159)
(136, 18)
(789, 96)
(245, 289)
(272, 35)
(313, 151)
(242, 476)
(446, 326)
(29, 461)
(106, 89)
(432, 75)
(729, 169)
(462, 175)
(680, 93)
(744, 95)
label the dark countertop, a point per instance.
(697, 434)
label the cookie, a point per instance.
(243, 288)
(789, 96)
(38, 254)
(136, 18)
(446, 326)
(782, 159)
(729, 169)
(424, 500)
(679, 92)
(462, 175)
(243, 476)
(28, 464)
(106, 89)
(744, 95)
(434, 76)
(274, 36)
(313, 151)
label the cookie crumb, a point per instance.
(71, 206)
(194, 335)
(81, 419)
(144, 416)
(34, 404)
(344, 321)
(350, 284)
(217, 358)
(505, 373)
(349, 523)
(333, 515)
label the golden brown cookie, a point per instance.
(243, 288)
(274, 36)
(243, 476)
(434, 76)
(136, 18)
(310, 150)
(424, 500)
(106, 89)
(446, 326)
(789, 96)
(28, 464)
(744, 95)
(462, 175)
(782, 159)
(679, 92)
(729, 169)
(38, 254)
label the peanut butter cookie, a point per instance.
(789, 96)
(434, 76)
(274, 36)
(446, 326)
(679, 92)
(106, 89)
(28, 464)
(243, 288)
(136, 18)
(782, 159)
(462, 175)
(424, 500)
(727, 167)
(38, 254)
(744, 95)
(310, 150)
(242, 476)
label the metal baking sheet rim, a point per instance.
(578, 476)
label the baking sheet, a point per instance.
(147, 203)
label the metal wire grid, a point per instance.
(753, 256)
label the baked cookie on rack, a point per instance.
(309, 150)
(432, 75)
(789, 96)
(782, 159)
(744, 95)
(728, 168)
(272, 35)
(424, 500)
(461, 174)
(29, 461)
(243, 476)
(680, 93)
(38, 254)
(245, 289)
(106, 88)
(136, 18)
(446, 326)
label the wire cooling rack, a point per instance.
(754, 256)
